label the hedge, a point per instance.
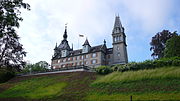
(148, 64)
(5, 75)
(133, 66)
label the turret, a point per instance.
(64, 46)
(86, 46)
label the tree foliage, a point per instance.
(11, 50)
(40, 66)
(172, 47)
(104, 70)
(158, 43)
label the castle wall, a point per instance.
(92, 60)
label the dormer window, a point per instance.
(64, 53)
(86, 47)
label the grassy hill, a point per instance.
(154, 84)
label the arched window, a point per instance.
(114, 39)
(117, 38)
(118, 54)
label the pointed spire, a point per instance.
(72, 46)
(55, 46)
(86, 42)
(65, 32)
(104, 41)
(118, 24)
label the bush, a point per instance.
(104, 70)
(5, 75)
(148, 64)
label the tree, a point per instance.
(158, 43)
(37, 67)
(11, 50)
(172, 47)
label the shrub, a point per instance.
(5, 75)
(148, 64)
(104, 70)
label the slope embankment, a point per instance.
(153, 85)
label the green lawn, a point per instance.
(158, 73)
(153, 85)
(36, 88)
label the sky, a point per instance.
(43, 26)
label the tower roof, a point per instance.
(86, 42)
(65, 33)
(118, 24)
(55, 46)
(64, 43)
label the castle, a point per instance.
(92, 56)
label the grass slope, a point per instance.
(155, 84)
(53, 87)
(158, 73)
(35, 88)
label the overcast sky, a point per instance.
(44, 24)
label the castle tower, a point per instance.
(119, 43)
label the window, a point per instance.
(118, 48)
(64, 60)
(94, 55)
(86, 62)
(64, 65)
(117, 39)
(94, 61)
(109, 56)
(77, 57)
(69, 59)
(75, 64)
(114, 39)
(87, 56)
(121, 38)
(118, 54)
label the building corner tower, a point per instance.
(119, 43)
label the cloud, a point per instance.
(43, 26)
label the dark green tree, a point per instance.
(172, 47)
(11, 50)
(158, 43)
(37, 67)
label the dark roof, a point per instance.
(86, 42)
(65, 34)
(96, 48)
(109, 50)
(79, 51)
(92, 50)
(64, 45)
(118, 25)
(76, 52)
